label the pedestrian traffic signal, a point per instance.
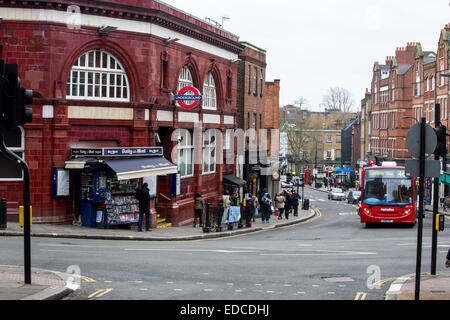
(441, 146)
(13, 98)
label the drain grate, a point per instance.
(338, 279)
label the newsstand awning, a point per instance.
(445, 178)
(135, 168)
(231, 179)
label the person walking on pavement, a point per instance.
(256, 205)
(265, 202)
(288, 204)
(198, 209)
(143, 196)
(279, 204)
(295, 198)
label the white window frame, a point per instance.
(106, 80)
(209, 148)
(209, 93)
(185, 146)
(255, 80)
(21, 150)
(329, 138)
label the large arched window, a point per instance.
(209, 92)
(98, 75)
(185, 80)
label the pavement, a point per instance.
(52, 285)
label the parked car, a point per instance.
(336, 194)
(353, 197)
(297, 182)
(285, 184)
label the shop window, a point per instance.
(209, 93)
(98, 75)
(185, 153)
(15, 142)
(209, 151)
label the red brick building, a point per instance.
(103, 74)
(391, 100)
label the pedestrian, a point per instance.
(143, 196)
(265, 203)
(288, 204)
(279, 204)
(447, 260)
(198, 209)
(256, 205)
(295, 199)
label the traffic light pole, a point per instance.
(421, 196)
(26, 204)
(437, 113)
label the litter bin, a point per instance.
(3, 214)
(318, 185)
(305, 204)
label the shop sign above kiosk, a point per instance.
(117, 152)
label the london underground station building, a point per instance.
(103, 73)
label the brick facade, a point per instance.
(46, 48)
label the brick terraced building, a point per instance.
(103, 73)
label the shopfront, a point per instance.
(106, 180)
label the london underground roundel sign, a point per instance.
(188, 97)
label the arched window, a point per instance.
(98, 75)
(185, 80)
(209, 92)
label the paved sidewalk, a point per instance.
(45, 285)
(435, 287)
(50, 285)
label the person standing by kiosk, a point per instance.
(143, 196)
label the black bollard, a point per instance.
(3, 220)
(207, 225)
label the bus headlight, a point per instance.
(366, 211)
(407, 212)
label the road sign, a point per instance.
(432, 168)
(413, 140)
(183, 95)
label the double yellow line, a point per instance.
(84, 278)
(99, 293)
(361, 296)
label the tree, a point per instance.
(337, 99)
(297, 142)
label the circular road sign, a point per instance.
(413, 140)
(190, 94)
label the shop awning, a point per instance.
(231, 179)
(445, 178)
(136, 168)
(77, 163)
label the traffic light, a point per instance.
(441, 146)
(13, 98)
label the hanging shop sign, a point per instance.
(117, 152)
(188, 97)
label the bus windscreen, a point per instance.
(387, 187)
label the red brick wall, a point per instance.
(45, 53)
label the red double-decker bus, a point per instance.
(387, 196)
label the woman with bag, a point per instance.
(279, 204)
(256, 205)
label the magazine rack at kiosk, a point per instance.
(107, 179)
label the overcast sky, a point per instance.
(317, 44)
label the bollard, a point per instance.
(3, 219)
(207, 225)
